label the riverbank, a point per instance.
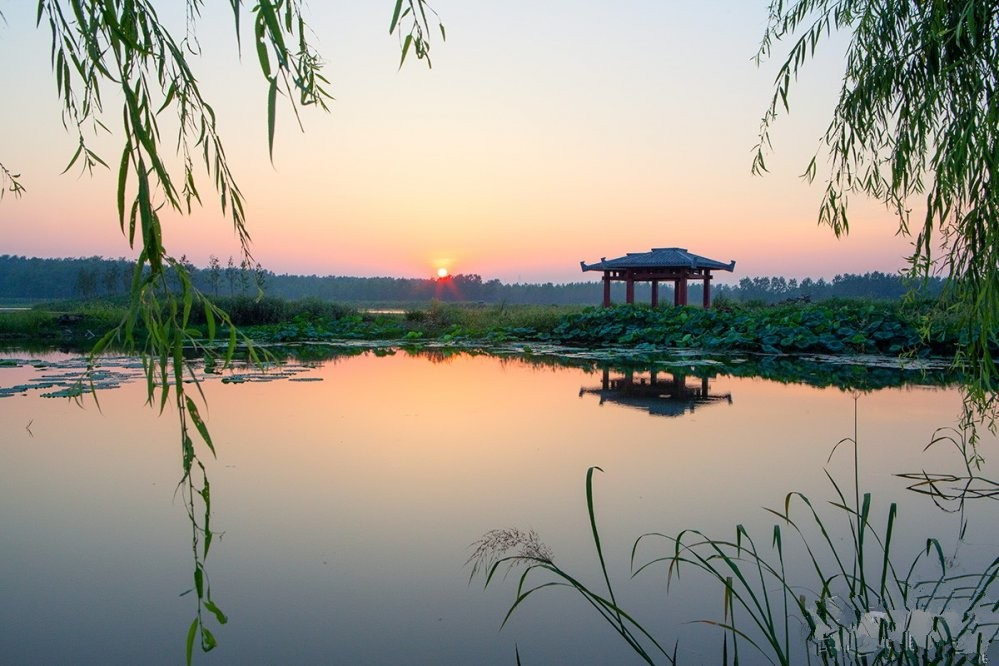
(842, 327)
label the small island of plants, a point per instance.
(839, 326)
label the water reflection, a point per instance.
(657, 392)
(347, 515)
(830, 581)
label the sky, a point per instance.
(543, 135)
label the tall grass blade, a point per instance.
(596, 534)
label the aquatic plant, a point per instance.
(860, 602)
(859, 606)
(830, 328)
(492, 553)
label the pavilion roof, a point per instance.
(659, 257)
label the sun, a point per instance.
(442, 272)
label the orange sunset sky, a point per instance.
(545, 134)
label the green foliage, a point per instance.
(490, 322)
(413, 20)
(246, 311)
(10, 182)
(873, 285)
(491, 554)
(74, 324)
(445, 322)
(915, 126)
(26, 324)
(852, 327)
(859, 602)
(122, 45)
(21, 277)
(618, 338)
(856, 588)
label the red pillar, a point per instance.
(707, 292)
(683, 291)
(607, 282)
(655, 293)
(676, 292)
(630, 290)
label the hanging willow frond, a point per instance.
(123, 46)
(916, 124)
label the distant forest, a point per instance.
(28, 279)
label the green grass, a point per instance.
(490, 555)
(438, 321)
(73, 323)
(25, 323)
(862, 602)
(833, 327)
(485, 320)
(246, 311)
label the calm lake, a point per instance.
(348, 494)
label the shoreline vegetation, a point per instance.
(849, 343)
(836, 326)
(854, 331)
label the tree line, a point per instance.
(874, 285)
(97, 277)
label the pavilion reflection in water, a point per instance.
(659, 393)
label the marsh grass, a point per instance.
(509, 549)
(485, 320)
(249, 311)
(25, 323)
(46, 321)
(861, 605)
(859, 600)
(848, 327)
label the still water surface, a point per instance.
(349, 492)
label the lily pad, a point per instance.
(68, 392)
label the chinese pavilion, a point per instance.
(673, 264)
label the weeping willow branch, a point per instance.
(916, 124)
(123, 46)
(410, 20)
(10, 182)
